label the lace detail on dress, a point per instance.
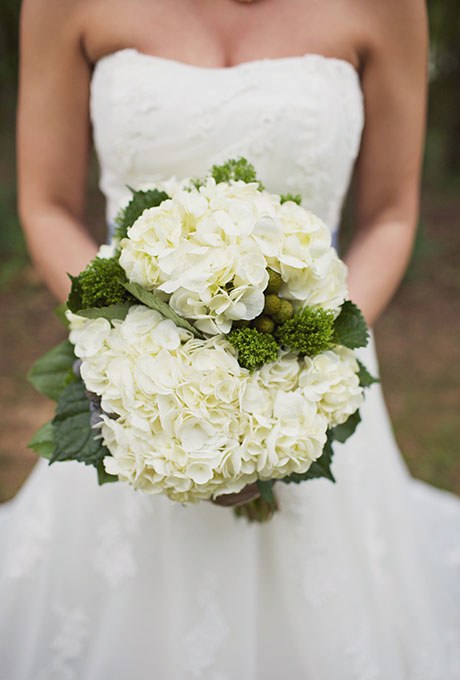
(68, 644)
(432, 665)
(31, 542)
(360, 660)
(316, 549)
(114, 557)
(201, 645)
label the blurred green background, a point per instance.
(418, 338)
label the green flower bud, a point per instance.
(264, 324)
(274, 282)
(272, 304)
(285, 312)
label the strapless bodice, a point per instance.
(297, 119)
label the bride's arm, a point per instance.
(53, 138)
(388, 170)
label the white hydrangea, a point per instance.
(180, 415)
(310, 268)
(331, 380)
(183, 418)
(208, 250)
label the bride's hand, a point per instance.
(249, 493)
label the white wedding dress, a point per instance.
(354, 581)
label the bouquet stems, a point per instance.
(257, 510)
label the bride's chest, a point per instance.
(221, 32)
(138, 99)
(298, 120)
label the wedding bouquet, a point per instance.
(210, 346)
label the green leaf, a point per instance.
(341, 432)
(116, 311)
(320, 468)
(350, 328)
(365, 378)
(53, 371)
(103, 477)
(151, 300)
(43, 441)
(74, 436)
(60, 311)
(266, 490)
(75, 301)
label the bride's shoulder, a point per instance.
(393, 8)
(53, 23)
(395, 16)
(396, 29)
(48, 13)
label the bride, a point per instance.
(354, 581)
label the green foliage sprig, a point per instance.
(254, 348)
(233, 170)
(99, 285)
(295, 198)
(309, 331)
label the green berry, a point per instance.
(264, 324)
(274, 282)
(272, 304)
(285, 312)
